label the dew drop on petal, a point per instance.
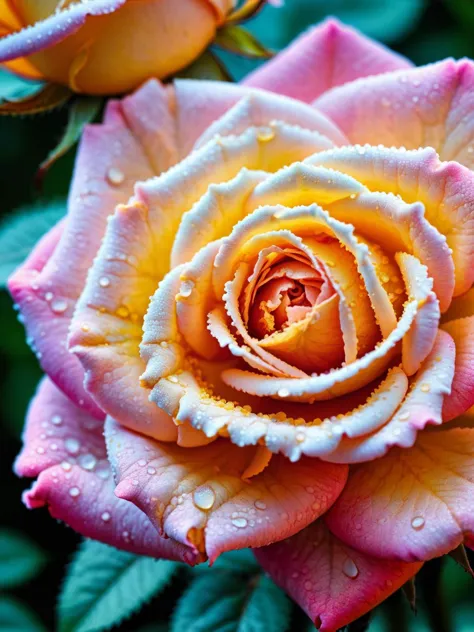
(151, 470)
(204, 497)
(283, 392)
(241, 523)
(259, 504)
(350, 569)
(104, 281)
(66, 466)
(72, 445)
(105, 516)
(56, 420)
(74, 492)
(115, 176)
(59, 305)
(87, 461)
(418, 522)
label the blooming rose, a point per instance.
(106, 46)
(277, 328)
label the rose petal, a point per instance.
(414, 504)
(460, 307)
(104, 176)
(446, 189)
(418, 107)
(54, 28)
(462, 392)
(198, 496)
(329, 55)
(333, 583)
(65, 448)
(422, 406)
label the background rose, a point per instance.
(109, 377)
(106, 46)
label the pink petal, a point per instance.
(65, 448)
(462, 392)
(109, 162)
(419, 107)
(199, 497)
(329, 55)
(53, 29)
(413, 504)
(446, 189)
(333, 583)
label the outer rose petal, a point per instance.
(53, 29)
(333, 583)
(427, 106)
(329, 55)
(110, 161)
(462, 392)
(460, 307)
(199, 497)
(65, 448)
(413, 504)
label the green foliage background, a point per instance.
(34, 549)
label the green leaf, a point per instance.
(13, 87)
(241, 561)
(17, 617)
(104, 586)
(268, 609)
(83, 110)
(236, 39)
(207, 66)
(46, 97)
(247, 10)
(20, 232)
(228, 602)
(20, 559)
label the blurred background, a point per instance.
(34, 549)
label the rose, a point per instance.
(106, 46)
(275, 247)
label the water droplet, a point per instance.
(151, 470)
(66, 466)
(425, 388)
(241, 523)
(265, 134)
(283, 392)
(259, 504)
(59, 305)
(40, 450)
(418, 522)
(87, 461)
(104, 281)
(57, 420)
(115, 176)
(350, 569)
(105, 516)
(204, 497)
(173, 378)
(74, 492)
(102, 471)
(49, 296)
(72, 445)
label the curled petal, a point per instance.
(462, 393)
(329, 55)
(446, 189)
(422, 406)
(54, 28)
(198, 496)
(418, 107)
(413, 504)
(333, 583)
(419, 341)
(64, 447)
(326, 386)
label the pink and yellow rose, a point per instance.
(265, 290)
(106, 46)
